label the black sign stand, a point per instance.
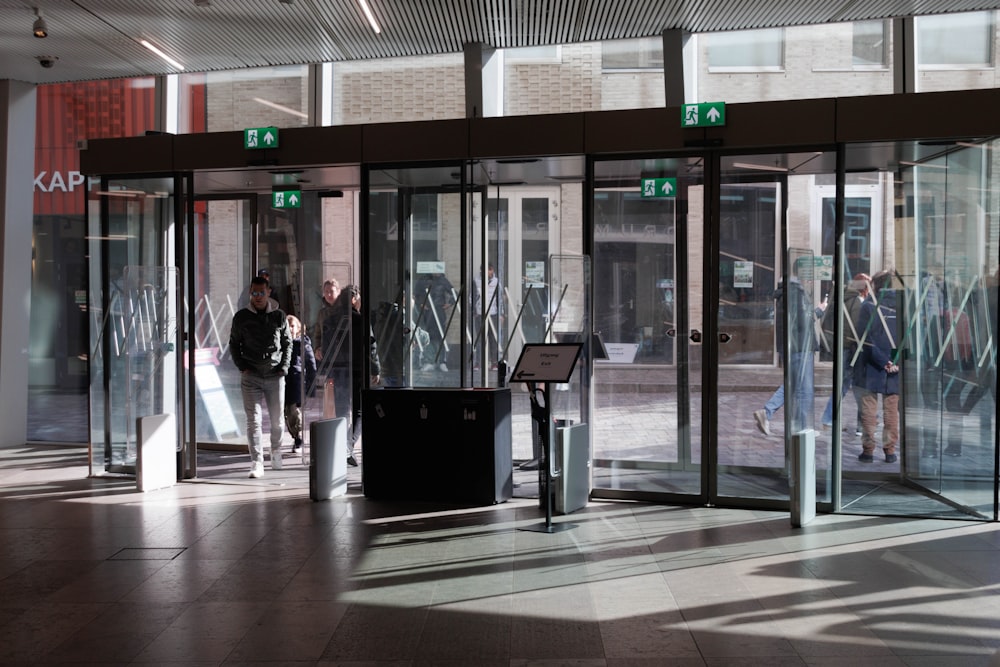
(544, 364)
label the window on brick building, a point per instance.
(870, 44)
(645, 53)
(747, 50)
(955, 40)
(534, 54)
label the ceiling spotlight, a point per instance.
(39, 29)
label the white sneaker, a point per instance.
(275, 458)
(443, 368)
(760, 416)
(257, 470)
(427, 367)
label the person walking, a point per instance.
(302, 367)
(355, 361)
(436, 298)
(260, 344)
(489, 328)
(854, 297)
(802, 347)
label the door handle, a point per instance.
(695, 336)
(724, 337)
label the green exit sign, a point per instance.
(659, 187)
(706, 114)
(260, 137)
(287, 199)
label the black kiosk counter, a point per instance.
(447, 445)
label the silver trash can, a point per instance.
(327, 458)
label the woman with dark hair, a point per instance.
(355, 360)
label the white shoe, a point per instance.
(257, 470)
(427, 367)
(443, 368)
(760, 416)
(275, 458)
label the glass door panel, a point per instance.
(520, 236)
(414, 257)
(133, 314)
(223, 248)
(647, 267)
(949, 394)
(774, 281)
(935, 286)
(532, 215)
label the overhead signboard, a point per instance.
(659, 187)
(705, 114)
(286, 199)
(260, 137)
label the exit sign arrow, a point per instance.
(706, 114)
(286, 199)
(260, 137)
(659, 187)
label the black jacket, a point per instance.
(362, 351)
(261, 341)
(302, 366)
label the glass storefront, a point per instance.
(133, 315)
(935, 286)
(459, 262)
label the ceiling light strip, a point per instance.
(369, 16)
(162, 55)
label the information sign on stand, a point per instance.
(546, 364)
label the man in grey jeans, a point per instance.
(261, 346)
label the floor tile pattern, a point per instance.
(226, 570)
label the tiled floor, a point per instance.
(232, 571)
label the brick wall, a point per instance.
(399, 89)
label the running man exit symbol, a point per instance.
(706, 114)
(260, 137)
(659, 187)
(286, 199)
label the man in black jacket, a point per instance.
(261, 346)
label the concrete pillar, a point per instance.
(483, 82)
(17, 161)
(904, 56)
(678, 79)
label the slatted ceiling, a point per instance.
(593, 19)
(340, 21)
(439, 27)
(557, 26)
(445, 25)
(99, 38)
(739, 16)
(428, 23)
(608, 25)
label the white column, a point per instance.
(679, 67)
(482, 97)
(17, 161)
